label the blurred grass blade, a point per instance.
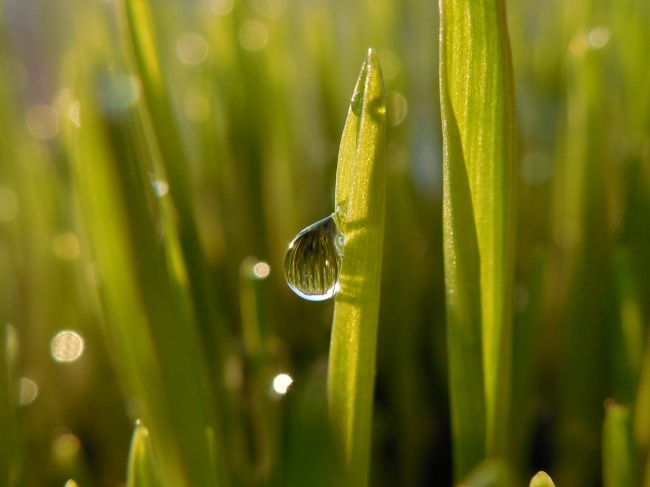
(142, 470)
(478, 114)
(582, 229)
(360, 199)
(151, 328)
(489, 473)
(541, 479)
(618, 450)
(310, 452)
(627, 347)
(142, 33)
(642, 404)
(10, 447)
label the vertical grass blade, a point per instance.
(618, 450)
(479, 137)
(582, 229)
(360, 198)
(142, 470)
(642, 405)
(151, 327)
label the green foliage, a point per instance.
(478, 120)
(152, 154)
(360, 200)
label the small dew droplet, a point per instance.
(356, 102)
(313, 260)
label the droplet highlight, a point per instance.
(313, 260)
(356, 102)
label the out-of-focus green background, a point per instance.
(259, 91)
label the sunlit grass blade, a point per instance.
(478, 113)
(541, 479)
(618, 451)
(141, 22)
(360, 198)
(142, 470)
(150, 325)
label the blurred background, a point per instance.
(257, 93)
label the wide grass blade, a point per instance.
(478, 113)
(360, 199)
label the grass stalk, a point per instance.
(360, 199)
(618, 451)
(142, 470)
(479, 150)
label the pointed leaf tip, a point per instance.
(541, 479)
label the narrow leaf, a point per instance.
(360, 198)
(142, 470)
(618, 450)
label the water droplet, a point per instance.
(313, 260)
(356, 102)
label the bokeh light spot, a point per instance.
(261, 270)
(27, 391)
(271, 9)
(598, 37)
(222, 7)
(67, 346)
(42, 122)
(281, 383)
(397, 108)
(66, 246)
(253, 35)
(192, 49)
(160, 188)
(65, 446)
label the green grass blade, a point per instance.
(618, 450)
(541, 479)
(142, 470)
(478, 112)
(642, 405)
(360, 197)
(142, 35)
(151, 327)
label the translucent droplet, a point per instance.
(313, 260)
(356, 102)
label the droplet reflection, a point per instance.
(313, 260)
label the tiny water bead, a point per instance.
(313, 260)
(356, 102)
